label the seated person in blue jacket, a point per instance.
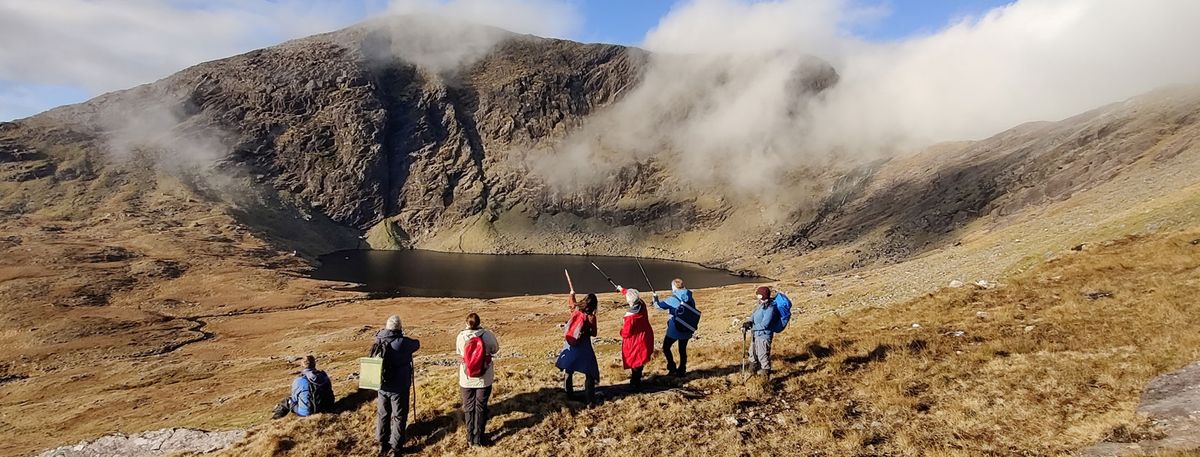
(312, 392)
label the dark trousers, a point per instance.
(666, 349)
(635, 377)
(475, 411)
(392, 419)
(589, 386)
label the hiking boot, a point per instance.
(385, 451)
(279, 412)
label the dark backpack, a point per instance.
(476, 359)
(320, 393)
(687, 315)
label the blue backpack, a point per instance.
(783, 308)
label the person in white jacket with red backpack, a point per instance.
(476, 345)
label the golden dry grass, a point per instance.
(1034, 367)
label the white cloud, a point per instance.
(110, 45)
(547, 18)
(720, 105)
(1031, 60)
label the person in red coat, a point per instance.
(637, 337)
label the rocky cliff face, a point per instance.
(362, 137)
(425, 142)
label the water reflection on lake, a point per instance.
(441, 274)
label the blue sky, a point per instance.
(627, 21)
(54, 68)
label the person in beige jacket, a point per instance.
(476, 390)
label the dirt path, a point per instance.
(199, 325)
(1172, 403)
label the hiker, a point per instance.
(637, 337)
(476, 345)
(685, 318)
(760, 324)
(392, 404)
(577, 354)
(312, 392)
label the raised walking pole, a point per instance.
(610, 281)
(569, 283)
(639, 263)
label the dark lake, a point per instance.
(440, 274)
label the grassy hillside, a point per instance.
(1048, 362)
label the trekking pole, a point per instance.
(743, 355)
(639, 262)
(610, 281)
(569, 283)
(413, 382)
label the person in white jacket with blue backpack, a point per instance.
(770, 316)
(685, 318)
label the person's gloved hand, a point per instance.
(620, 289)
(655, 295)
(747, 325)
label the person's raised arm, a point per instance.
(664, 304)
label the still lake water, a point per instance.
(421, 273)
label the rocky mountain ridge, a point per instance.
(365, 130)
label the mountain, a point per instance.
(158, 237)
(428, 144)
(374, 136)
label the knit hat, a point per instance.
(763, 293)
(631, 296)
(635, 302)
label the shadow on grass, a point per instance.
(354, 401)
(537, 405)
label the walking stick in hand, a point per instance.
(569, 283)
(744, 354)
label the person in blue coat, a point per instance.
(312, 392)
(759, 324)
(685, 318)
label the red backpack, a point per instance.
(577, 328)
(476, 359)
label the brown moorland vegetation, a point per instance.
(1047, 363)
